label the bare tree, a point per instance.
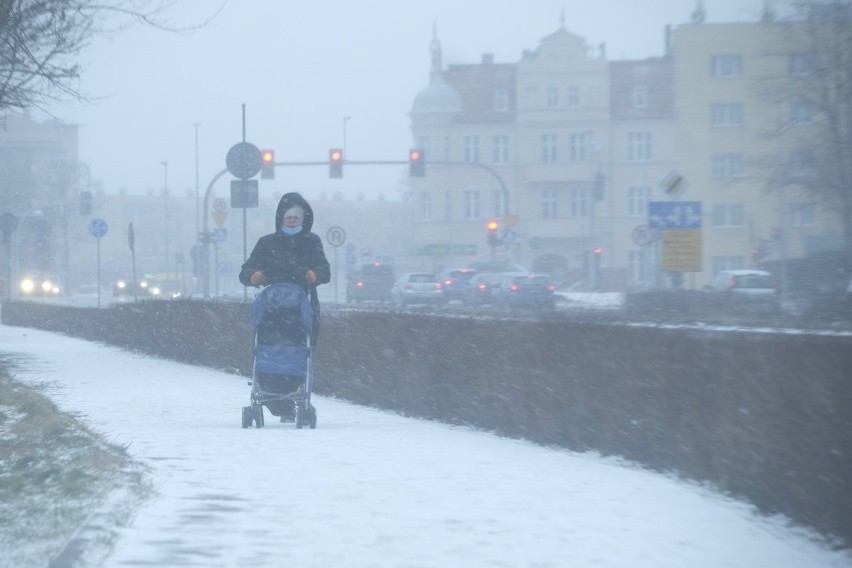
(41, 39)
(818, 89)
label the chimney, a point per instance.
(487, 58)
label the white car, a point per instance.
(417, 288)
(749, 289)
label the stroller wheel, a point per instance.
(312, 417)
(300, 415)
(257, 410)
(247, 416)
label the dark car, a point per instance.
(525, 290)
(454, 281)
(371, 282)
(481, 289)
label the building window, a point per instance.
(802, 214)
(638, 197)
(424, 206)
(579, 147)
(638, 146)
(573, 96)
(801, 165)
(548, 148)
(723, 115)
(721, 263)
(471, 205)
(500, 149)
(802, 112)
(578, 202)
(639, 267)
(727, 66)
(501, 202)
(726, 166)
(640, 96)
(552, 97)
(501, 100)
(802, 64)
(448, 205)
(471, 149)
(728, 215)
(550, 203)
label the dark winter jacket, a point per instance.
(283, 258)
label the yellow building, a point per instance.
(572, 154)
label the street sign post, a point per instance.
(335, 236)
(98, 228)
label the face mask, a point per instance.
(291, 230)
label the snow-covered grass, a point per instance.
(55, 474)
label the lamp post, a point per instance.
(166, 215)
(197, 209)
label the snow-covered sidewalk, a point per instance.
(369, 488)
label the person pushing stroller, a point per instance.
(291, 254)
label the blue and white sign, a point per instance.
(98, 228)
(219, 235)
(674, 215)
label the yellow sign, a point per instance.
(219, 217)
(682, 250)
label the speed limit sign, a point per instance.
(336, 236)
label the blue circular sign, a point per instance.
(97, 228)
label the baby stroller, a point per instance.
(282, 373)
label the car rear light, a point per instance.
(409, 287)
(483, 287)
(359, 284)
(437, 285)
(448, 282)
(732, 283)
(514, 287)
(551, 288)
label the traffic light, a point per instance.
(335, 163)
(493, 228)
(85, 203)
(267, 168)
(416, 163)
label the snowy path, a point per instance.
(369, 488)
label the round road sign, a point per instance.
(219, 204)
(336, 236)
(98, 228)
(244, 160)
(642, 235)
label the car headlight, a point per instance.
(27, 285)
(46, 286)
(121, 283)
(155, 291)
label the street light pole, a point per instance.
(166, 215)
(345, 120)
(197, 209)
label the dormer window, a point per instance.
(501, 100)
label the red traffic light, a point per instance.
(493, 226)
(267, 168)
(416, 163)
(335, 163)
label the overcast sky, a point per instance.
(300, 67)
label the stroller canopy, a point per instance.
(283, 297)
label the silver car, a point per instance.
(747, 288)
(417, 288)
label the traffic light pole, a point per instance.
(204, 237)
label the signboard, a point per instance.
(441, 249)
(674, 214)
(219, 217)
(682, 251)
(97, 228)
(673, 184)
(244, 193)
(335, 236)
(642, 235)
(219, 235)
(244, 161)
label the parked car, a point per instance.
(480, 289)
(417, 288)
(525, 290)
(454, 281)
(749, 288)
(370, 282)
